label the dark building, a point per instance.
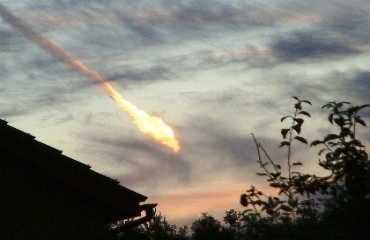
(46, 195)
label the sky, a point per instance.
(215, 71)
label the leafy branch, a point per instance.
(344, 156)
(277, 207)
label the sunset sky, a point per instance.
(215, 71)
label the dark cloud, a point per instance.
(349, 85)
(11, 112)
(312, 44)
(357, 84)
(134, 75)
(10, 41)
(350, 20)
(201, 12)
(56, 120)
(145, 33)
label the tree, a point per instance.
(347, 211)
(235, 227)
(207, 227)
(157, 229)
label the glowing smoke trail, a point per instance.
(151, 125)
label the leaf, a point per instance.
(284, 132)
(358, 108)
(270, 212)
(328, 105)
(275, 185)
(296, 98)
(283, 118)
(292, 202)
(321, 151)
(297, 128)
(284, 143)
(298, 106)
(360, 121)
(285, 208)
(297, 164)
(330, 118)
(275, 175)
(307, 102)
(243, 200)
(278, 166)
(331, 137)
(301, 139)
(247, 210)
(305, 113)
(299, 120)
(316, 142)
(339, 121)
(364, 106)
(261, 174)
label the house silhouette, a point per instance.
(46, 195)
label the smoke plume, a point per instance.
(151, 125)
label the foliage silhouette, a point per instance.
(157, 229)
(347, 187)
(207, 227)
(291, 185)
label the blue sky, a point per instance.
(214, 70)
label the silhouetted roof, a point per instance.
(123, 202)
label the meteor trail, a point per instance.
(151, 125)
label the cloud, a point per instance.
(140, 163)
(311, 44)
(161, 20)
(222, 66)
(145, 32)
(356, 82)
(348, 19)
(209, 148)
(223, 145)
(9, 39)
(11, 112)
(248, 57)
(134, 75)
